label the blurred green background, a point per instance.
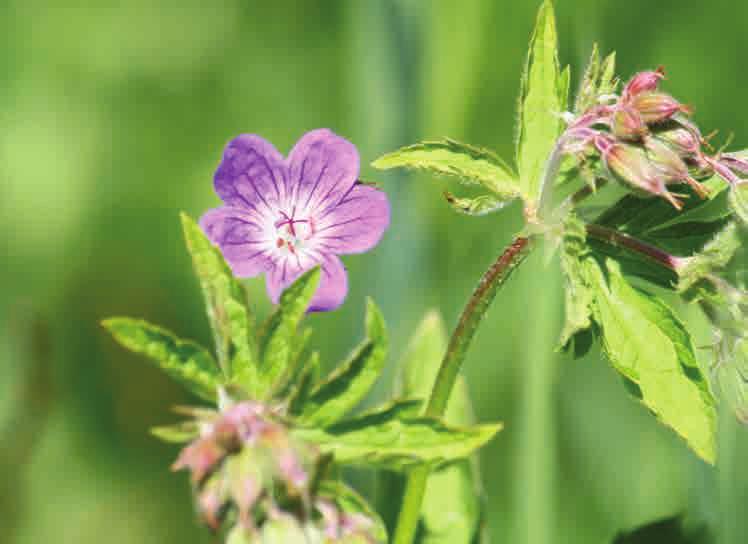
(113, 117)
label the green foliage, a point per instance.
(393, 438)
(185, 361)
(599, 79)
(470, 164)
(225, 301)
(655, 221)
(714, 257)
(672, 530)
(579, 297)
(651, 348)
(352, 380)
(351, 502)
(276, 343)
(452, 505)
(542, 100)
(480, 205)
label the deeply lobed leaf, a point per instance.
(277, 340)
(351, 381)
(187, 362)
(391, 438)
(226, 305)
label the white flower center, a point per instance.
(293, 232)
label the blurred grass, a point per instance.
(113, 118)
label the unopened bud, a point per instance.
(627, 124)
(630, 165)
(682, 140)
(672, 167)
(643, 82)
(657, 107)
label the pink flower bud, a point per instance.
(657, 107)
(643, 82)
(627, 124)
(670, 165)
(682, 140)
(631, 166)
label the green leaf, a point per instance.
(452, 505)
(185, 361)
(673, 530)
(471, 165)
(277, 340)
(388, 438)
(540, 106)
(306, 381)
(714, 257)
(226, 305)
(575, 261)
(599, 79)
(651, 348)
(480, 205)
(350, 502)
(739, 201)
(656, 221)
(351, 381)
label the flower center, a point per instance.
(293, 232)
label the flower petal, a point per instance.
(322, 169)
(356, 224)
(333, 285)
(243, 242)
(252, 175)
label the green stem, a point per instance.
(461, 339)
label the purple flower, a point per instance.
(284, 216)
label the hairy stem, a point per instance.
(462, 337)
(650, 252)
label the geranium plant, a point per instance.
(622, 184)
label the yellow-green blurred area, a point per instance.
(113, 117)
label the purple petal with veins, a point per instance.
(285, 216)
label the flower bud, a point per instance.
(681, 140)
(657, 107)
(672, 167)
(643, 82)
(631, 166)
(627, 124)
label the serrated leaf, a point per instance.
(470, 164)
(351, 502)
(185, 361)
(382, 439)
(226, 305)
(451, 509)
(587, 95)
(579, 297)
(608, 81)
(305, 383)
(651, 348)
(278, 334)
(540, 105)
(352, 380)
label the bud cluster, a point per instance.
(250, 475)
(646, 140)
